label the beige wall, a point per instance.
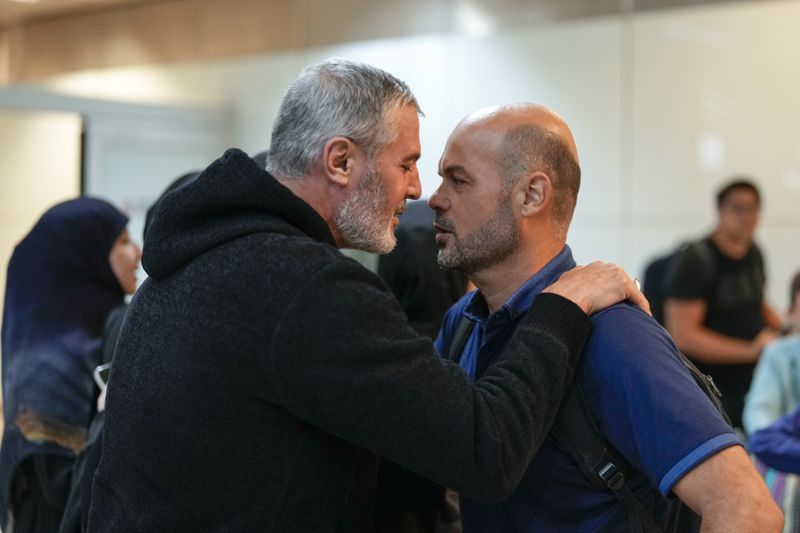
(665, 105)
(39, 166)
(183, 30)
(4, 52)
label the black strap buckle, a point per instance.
(611, 476)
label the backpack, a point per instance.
(576, 430)
(655, 274)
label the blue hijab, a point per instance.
(59, 290)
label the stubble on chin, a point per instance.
(488, 245)
(445, 259)
(360, 220)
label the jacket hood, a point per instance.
(230, 199)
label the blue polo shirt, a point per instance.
(645, 402)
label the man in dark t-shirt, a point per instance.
(715, 305)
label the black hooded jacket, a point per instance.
(259, 373)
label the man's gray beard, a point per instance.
(490, 244)
(360, 218)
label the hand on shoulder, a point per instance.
(598, 285)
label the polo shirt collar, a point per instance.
(521, 300)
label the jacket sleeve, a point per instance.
(344, 359)
(778, 445)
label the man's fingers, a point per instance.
(638, 298)
(599, 285)
(632, 289)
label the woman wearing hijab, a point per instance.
(76, 510)
(66, 275)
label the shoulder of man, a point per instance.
(274, 278)
(299, 256)
(623, 334)
(632, 369)
(757, 256)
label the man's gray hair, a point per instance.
(336, 97)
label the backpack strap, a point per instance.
(576, 430)
(707, 385)
(460, 337)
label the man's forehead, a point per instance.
(499, 120)
(468, 145)
(406, 120)
(742, 193)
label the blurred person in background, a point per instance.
(407, 502)
(76, 510)
(424, 290)
(778, 444)
(775, 391)
(715, 308)
(775, 449)
(64, 277)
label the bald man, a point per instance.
(510, 179)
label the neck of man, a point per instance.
(731, 245)
(315, 191)
(498, 282)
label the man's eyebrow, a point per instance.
(413, 157)
(452, 169)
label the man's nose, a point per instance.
(437, 201)
(414, 190)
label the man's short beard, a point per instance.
(490, 244)
(361, 219)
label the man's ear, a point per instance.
(537, 193)
(337, 158)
